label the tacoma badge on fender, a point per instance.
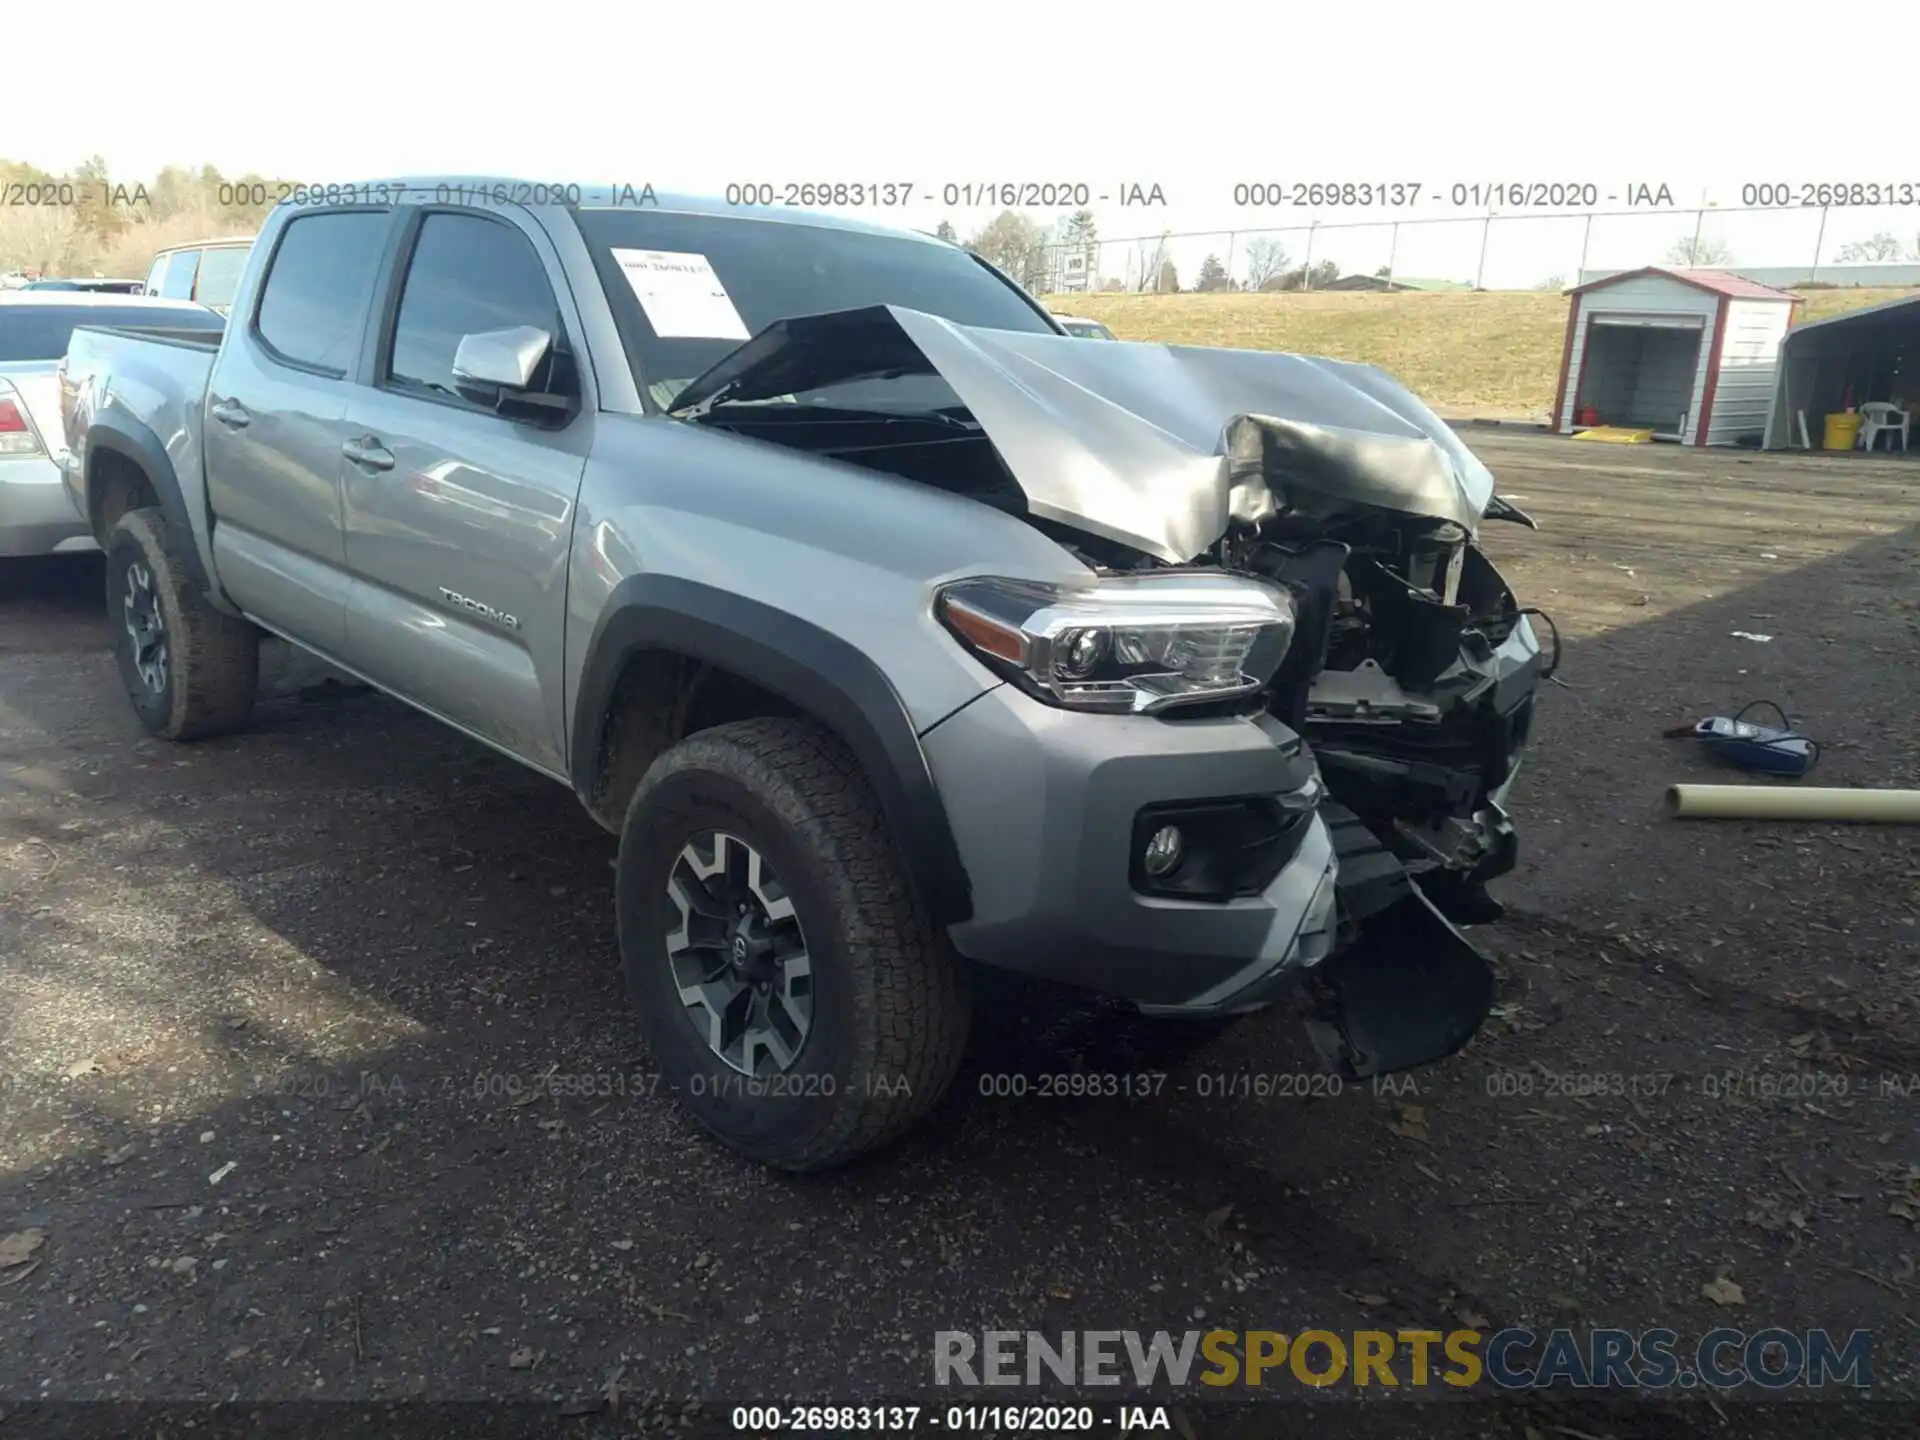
(480, 607)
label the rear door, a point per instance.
(458, 519)
(276, 419)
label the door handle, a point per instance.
(368, 451)
(231, 413)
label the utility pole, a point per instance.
(1586, 237)
(1393, 250)
(1486, 231)
(1306, 266)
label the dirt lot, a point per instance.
(274, 1013)
(1467, 353)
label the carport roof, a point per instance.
(1847, 317)
(1718, 281)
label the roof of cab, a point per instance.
(540, 194)
(224, 241)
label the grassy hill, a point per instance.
(1492, 353)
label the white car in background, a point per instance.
(1082, 329)
(37, 515)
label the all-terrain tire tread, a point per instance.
(214, 657)
(911, 1021)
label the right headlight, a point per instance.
(1131, 644)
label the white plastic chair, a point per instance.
(1882, 417)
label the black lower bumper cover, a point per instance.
(1404, 988)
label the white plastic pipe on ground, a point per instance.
(1781, 802)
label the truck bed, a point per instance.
(158, 388)
(208, 340)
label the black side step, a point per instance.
(1404, 988)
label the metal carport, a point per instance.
(1875, 351)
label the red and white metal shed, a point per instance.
(1689, 354)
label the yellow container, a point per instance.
(1842, 431)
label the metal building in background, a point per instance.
(1690, 355)
(1856, 358)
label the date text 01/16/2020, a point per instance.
(1152, 1084)
(961, 1419)
(890, 194)
(1475, 195)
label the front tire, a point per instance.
(792, 990)
(190, 670)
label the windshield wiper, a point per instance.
(699, 409)
(792, 410)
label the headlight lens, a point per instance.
(1133, 644)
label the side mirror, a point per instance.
(501, 359)
(499, 366)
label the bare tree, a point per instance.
(1265, 259)
(1552, 282)
(1153, 256)
(42, 238)
(1882, 247)
(1699, 250)
(1017, 245)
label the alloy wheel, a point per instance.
(739, 958)
(146, 627)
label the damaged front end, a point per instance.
(1414, 669)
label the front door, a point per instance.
(459, 519)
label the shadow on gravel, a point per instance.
(319, 1080)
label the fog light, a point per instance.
(1163, 851)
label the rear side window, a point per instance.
(319, 287)
(220, 272)
(468, 274)
(177, 283)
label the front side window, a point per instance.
(468, 274)
(157, 274)
(319, 287)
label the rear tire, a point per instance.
(763, 904)
(190, 670)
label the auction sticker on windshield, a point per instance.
(681, 294)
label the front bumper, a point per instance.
(1043, 804)
(37, 515)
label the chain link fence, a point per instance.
(1492, 252)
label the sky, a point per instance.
(1197, 99)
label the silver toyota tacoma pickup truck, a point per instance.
(889, 628)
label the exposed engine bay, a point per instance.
(1413, 670)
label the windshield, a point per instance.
(771, 270)
(41, 332)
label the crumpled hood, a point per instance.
(1158, 447)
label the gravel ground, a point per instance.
(316, 1081)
